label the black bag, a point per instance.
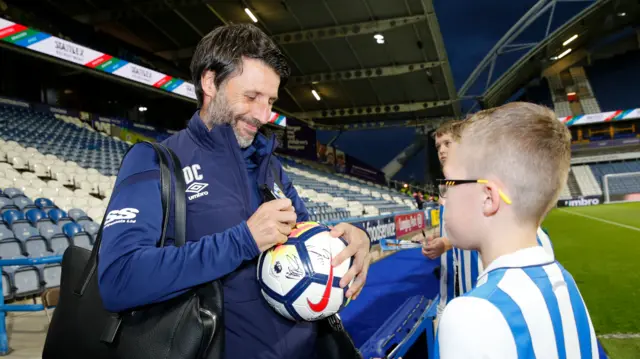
(188, 326)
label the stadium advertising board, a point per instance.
(408, 224)
(34, 40)
(581, 201)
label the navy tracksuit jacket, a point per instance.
(222, 193)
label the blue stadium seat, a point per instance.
(44, 204)
(59, 217)
(77, 235)
(35, 215)
(12, 217)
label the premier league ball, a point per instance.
(297, 278)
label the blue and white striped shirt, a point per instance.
(526, 305)
(470, 263)
(447, 271)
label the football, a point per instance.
(297, 278)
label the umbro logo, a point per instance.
(196, 187)
(191, 174)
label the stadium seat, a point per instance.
(44, 203)
(23, 203)
(26, 280)
(12, 217)
(7, 204)
(78, 236)
(12, 192)
(59, 217)
(7, 286)
(51, 274)
(57, 241)
(36, 215)
(34, 244)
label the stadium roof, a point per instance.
(332, 49)
(330, 45)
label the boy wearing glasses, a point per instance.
(459, 269)
(501, 180)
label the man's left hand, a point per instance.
(358, 246)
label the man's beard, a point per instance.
(220, 113)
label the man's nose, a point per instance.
(261, 112)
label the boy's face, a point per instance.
(463, 215)
(443, 146)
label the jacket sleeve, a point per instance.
(132, 270)
(292, 194)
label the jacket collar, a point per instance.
(222, 135)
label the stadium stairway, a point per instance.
(572, 186)
(587, 182)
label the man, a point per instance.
(500, 182)
(459, 269)
(237, 71)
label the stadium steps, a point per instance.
(572, 183)
(586, 181)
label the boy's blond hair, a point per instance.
(451, 127)
(526, 147)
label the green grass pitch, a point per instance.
(600, 247)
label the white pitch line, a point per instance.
(620, 336)
(602, 220)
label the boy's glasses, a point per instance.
(445, 184)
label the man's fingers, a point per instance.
(348, 252)
(284, 229)
(339, 230)
(279, 204)
(286, 217)
(356, 268)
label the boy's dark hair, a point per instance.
(222, 50)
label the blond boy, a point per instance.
(501, 180)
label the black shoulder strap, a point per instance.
(179, 202)
(276, 174)
(165, 185)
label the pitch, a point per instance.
(600, 246)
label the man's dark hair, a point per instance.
(222, 50)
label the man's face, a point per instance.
(245, 100)
(443, 146)
(463, 213)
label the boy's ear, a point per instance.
(208, 83)
(491, 203)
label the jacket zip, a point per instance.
(244, 175)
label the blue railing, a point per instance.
(4, 308)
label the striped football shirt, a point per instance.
(526, 305)
(470, 263)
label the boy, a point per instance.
(501, 180)
(459, 269)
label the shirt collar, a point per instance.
(526, 257)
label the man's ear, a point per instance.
(492, 202)
(208, 83)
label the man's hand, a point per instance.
(358, 247)
(272, 223)
(434, 247)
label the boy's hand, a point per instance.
(434, 248)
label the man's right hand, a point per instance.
(272, 223)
